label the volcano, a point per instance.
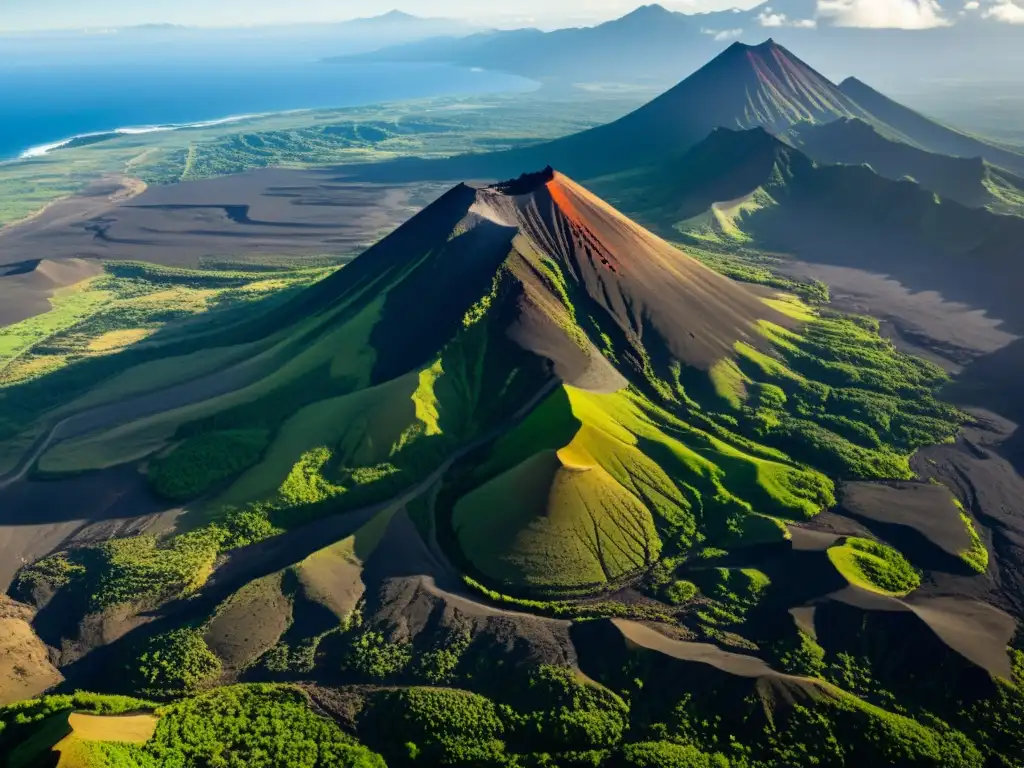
(522, 438)
(530, 297)
(745, 86)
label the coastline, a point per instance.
(498, 83)
(41, 150)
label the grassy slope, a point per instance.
(874, 566)
(613, 480)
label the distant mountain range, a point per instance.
(639, 46)
(352, 37)
(764, 86)
(654, 44)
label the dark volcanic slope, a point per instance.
(643, 282)
(273, 211)
(968, 180)
(833, 214)
(744, 86)
(926, 133)
(25, 289)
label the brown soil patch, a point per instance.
(979, 632)
(643, 281)
(25, 667)
(411, 589)
(249, 623)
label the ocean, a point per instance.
(43, 103)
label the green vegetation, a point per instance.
(667, 754)
(543, 715)
(571, 609)
(130, 570)
(874, 566)
(977, 555)
(446, 727)
(30, 729)
(680, 592)
(175, 663)
(140, 568)
(639, 470)
(800, 654)
(53, 572)
(854, 406)
(372, 655)
(69, 307)
(131, 317)
(735, 590)
(259, 726)
(202, 462)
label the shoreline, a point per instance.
(42, 150)
(37, 151)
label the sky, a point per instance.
(101, 14)
(51, 14)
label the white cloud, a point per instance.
(723, 34)
(769, 19)
(1005, 11)
(899, 14)
(973, 5)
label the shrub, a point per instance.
(177, 662)
(372, 655)
(255, 726)
(202, 462)
(665, 754)
(679, 592)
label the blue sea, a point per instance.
(45, 100)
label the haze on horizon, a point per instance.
(99, 14)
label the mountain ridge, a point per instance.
(972, 181)
(925, 133)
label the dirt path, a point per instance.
(37, 450)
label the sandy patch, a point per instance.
(25, 668)
(134, 729)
